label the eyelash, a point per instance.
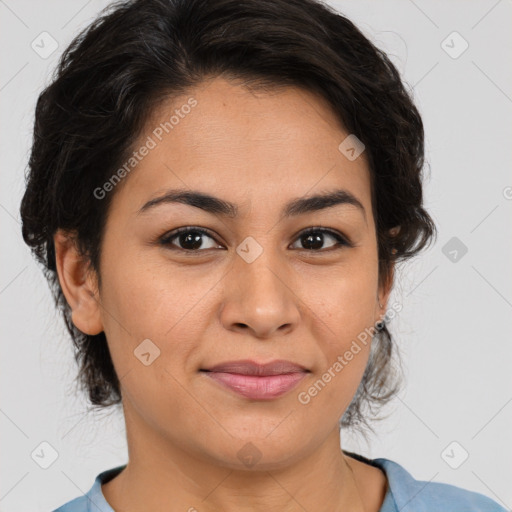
(167, 238)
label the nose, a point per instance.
(261, 297)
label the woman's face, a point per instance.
(254, 288)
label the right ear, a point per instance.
(78, 283)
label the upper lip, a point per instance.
(247, 367)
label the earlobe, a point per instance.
(384, 293)
(78, 283)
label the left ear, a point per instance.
(384, 292)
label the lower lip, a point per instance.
(258, 388)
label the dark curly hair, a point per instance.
(139, 53)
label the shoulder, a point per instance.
(410, 494)
(93, 500)
(76, 505)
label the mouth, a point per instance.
(248, 367)
(257, 381)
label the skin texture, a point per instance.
(184, 431)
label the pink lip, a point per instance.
(258, 381)
(258, 388)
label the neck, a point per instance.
(161, 475)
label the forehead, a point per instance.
(248, 147)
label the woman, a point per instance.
(219, 192)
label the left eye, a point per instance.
(315, 237)
(190, 239)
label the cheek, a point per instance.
(343, 308)
(146, 299)
(343, 302)
(344, 329)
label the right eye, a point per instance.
(189, 238)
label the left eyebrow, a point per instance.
(217, 206)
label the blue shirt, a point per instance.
(404, 493)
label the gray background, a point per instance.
(454, 330)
